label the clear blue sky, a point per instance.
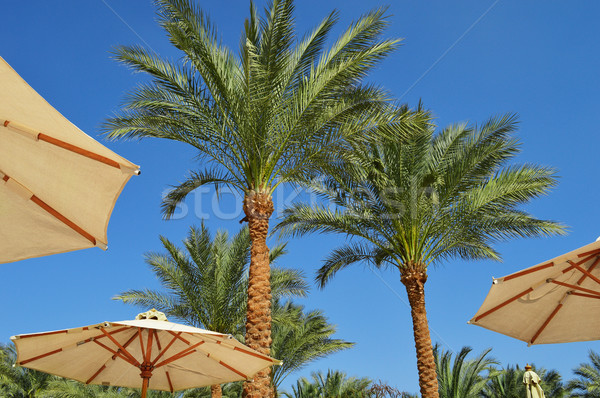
(466, 60)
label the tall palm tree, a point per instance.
(205, 285)
(419, 198)
(275, 113)
(587, 381)
(462, 378)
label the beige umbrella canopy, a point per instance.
(557, 301)
(58, 186)
(148, 352)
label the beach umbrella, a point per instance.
(148, 352)
(58, 186)
(556, 301)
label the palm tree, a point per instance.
(275, 113)
(505, 383)
(300, 338)
(18, 382)
(508, 383)
(587, 382)
(333, 385)
(462, 378)
(65, 388)
(205, 284)
(419, 198)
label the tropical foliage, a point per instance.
(462, 378)
(277, 112)
(587, 381)
(418, 198)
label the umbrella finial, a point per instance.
(527, 367)
(152, 314)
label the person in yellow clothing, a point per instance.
(532, 383)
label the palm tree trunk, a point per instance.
(215, 391)
(258, 207)
(414, 279)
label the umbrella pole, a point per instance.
(146, 374)
(145, 386)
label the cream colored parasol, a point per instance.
(58, 186)
(148, 352)
(557, 301)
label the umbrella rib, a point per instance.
(573, 265)
(547, 321)
(575, 287)
(528, 271)
(139, 333)
(118, 353)
(594, 296)
(585, 273)
(233, 369)
(157, 340)
(510, 300)
(149, 347)
(95, 374)
(590, 269)
(266, 358)
(169, 380)
(178, 336)
(179, 355)
(61, 144)
(49, 209)
(125, 352)
(595, 251)
(40, 356)
(160, 354)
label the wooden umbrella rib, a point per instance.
(590, 269)
(510, 300)
(95, 374)
(148, 347)
(254, 354)
(575, 287)
(546, 322)
(595, 251)
(36, 135)
(78, 150)
(160, 354)
(179, 355)
(573, 264)
(47, 354)
(178, 336)
(127, 342)
(117, 353)
(528, 271)
(171, 389)
(139, 333)
(25, 336)
(587, 273)
(49, 209)
(157, 340)
(233, 369)
(594, 296)
(123, 349)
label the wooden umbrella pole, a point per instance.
(146, 375)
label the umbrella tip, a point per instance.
(152, 314)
